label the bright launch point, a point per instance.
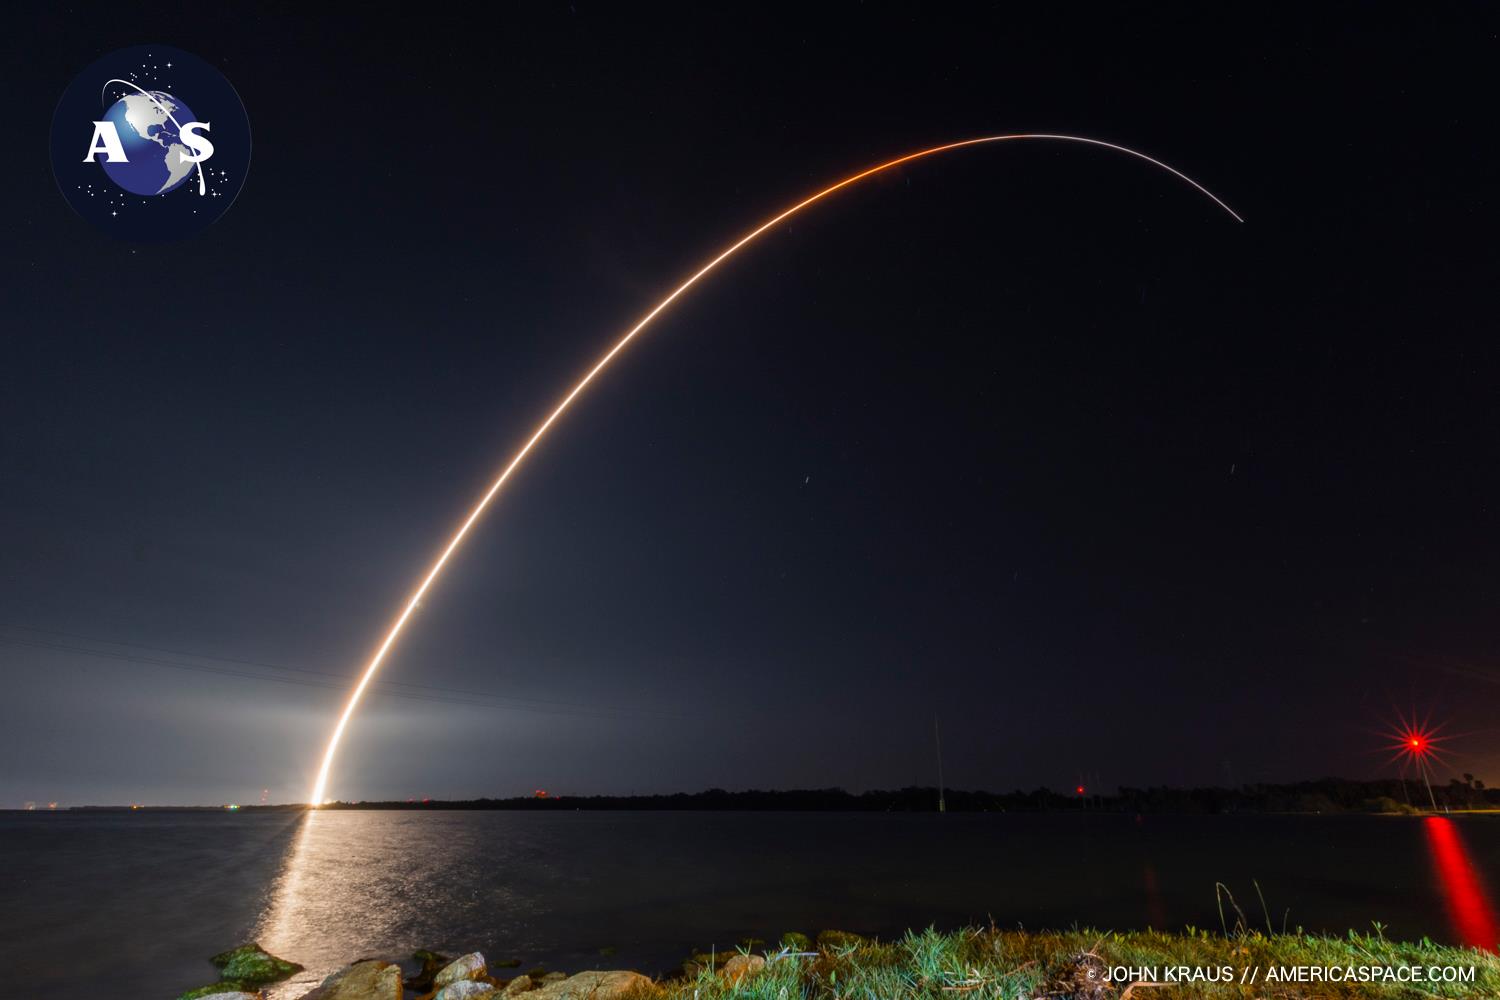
(394, 631)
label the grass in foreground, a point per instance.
(991, 964)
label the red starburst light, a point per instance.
(1413, 742)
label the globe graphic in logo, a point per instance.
(150, 144)
(147, 125)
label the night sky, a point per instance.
(1032, 438)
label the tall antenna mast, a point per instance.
(937, 736)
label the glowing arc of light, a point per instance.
(321, 786)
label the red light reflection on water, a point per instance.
(1469, 909)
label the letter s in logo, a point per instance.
(199, 144)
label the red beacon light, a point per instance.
(1416, 742)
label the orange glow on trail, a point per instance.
(394, 630)
(1468, 904)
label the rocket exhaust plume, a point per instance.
(393, 631)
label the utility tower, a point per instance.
(937, 736)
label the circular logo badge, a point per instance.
(150, 143)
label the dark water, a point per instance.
(131, 904)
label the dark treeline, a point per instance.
(1327, 795)
(1323, 795)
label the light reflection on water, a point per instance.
(368, 884)
(555, 888)
(132, 904)
(1471, 916)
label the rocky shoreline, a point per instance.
(973, 963)
(251, 973)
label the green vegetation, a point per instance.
(976, 964)
(253, 965)
(243, 970)
(1386, 805)
(220, 987)
(838, 940)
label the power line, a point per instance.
(313, 678)
(341, 678)
(486, 701)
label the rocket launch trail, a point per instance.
(394, 630)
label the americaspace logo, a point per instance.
(150, 143)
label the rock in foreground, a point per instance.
(740, 966)
(214, 991)
(520, 984)
(252, 965)
(592, 986)
(467, 989)
(468, 967)
(361, 981)
(796, 941)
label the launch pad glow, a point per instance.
(394, 630)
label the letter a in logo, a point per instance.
(107, 141)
